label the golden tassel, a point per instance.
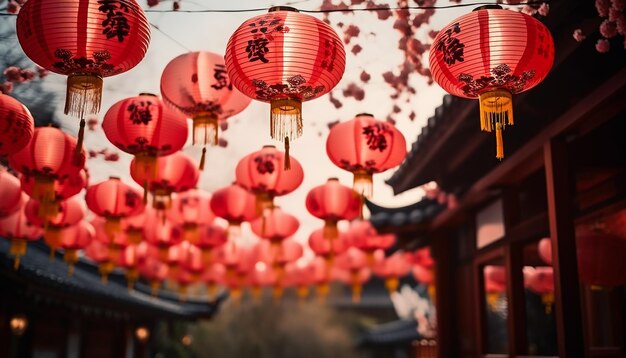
(211, 291)
(191, 233)
(70, 256)
(499, 142)
(81, 137)
(52, 237)
(356, 292)
(286, 122)
(302, 292)
(17, 249)
(392, 283)
(362, 183)
(370, 258)
(287, 163)
(182, 293)
(330, 230)
(154, 287)
(322, 290)
(135, 236)
(496, 112)
(255, 292)
(84, 94)
(548, 300)
(132, 275)
(16, 263)
(112, 226)
(202, 159)
(277, 293)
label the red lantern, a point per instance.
(351, 268)
(332, 202)
(263, 173)
(85, 40)
(364, 146)
(16, 125)
(116, 242)
(541, 281)
(154, 271)
(279, 255)
(326, 248)
(71, 211)
(495, 284)
(275, 226)
(299, 276)
(10, 192)
(545, 250)
(601, 258)
(364, 236)
(321, 278)
(16, 228)
(63, 189)
(234, 204)
(191, 209)
(391, 268)
(285, 57)
(491, 54)
(263, 276)
(134, 226)
(213, 276)
(75, 238)
(196, 83)
(49, 156)
(162, 234)
(104, 256)
(129, 259)
(113, 200)
(210, 237)
(146, 128)
(176, 173)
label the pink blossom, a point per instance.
(152, 3)
(544, 9)
(529, 10)
(350, 32)
(603, 7)
(608, 29)
(27, 75)
(365, 77)
(112, 157)
(578, 35)
(223, 125)
(618, 4)
(92, 123)
(13, 7)
(603, 46)
(354, 91)
(222, 142)
(6, 87)
(337, 103)
(42, 72)
(356, 49)
(13, 74)
(92, 153)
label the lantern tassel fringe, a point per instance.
(285, 122)
(496, 112)
(202, 159)
(84, 94)
(81, 137)
(287, 163)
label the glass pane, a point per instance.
(539, 298)
(496, 308)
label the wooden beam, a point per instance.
(444, 301)
(516, 300)
(559, 187)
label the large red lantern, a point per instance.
(176, 173)
(365, 237)
(263, 173)
(146, 128)
(191, 209)
(285, 57)
(113, 200)
(275, 226)
(16, 228)
(75, 238)
(85, 40)
(234, 204)
(10, 192)
(492, 54)
(364, 146)
(332, 202)
(196, 83)
(71, 211)
(49, 156)
(16, 125)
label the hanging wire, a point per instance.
(170, 37)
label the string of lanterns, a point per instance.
(283, 57)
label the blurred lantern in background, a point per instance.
(191, 209)
(366, 238)
(210, 237)
(364, 146)
(196, 83)
(321, 278)
(50, 156)
(544, 247)
(391, 268)
(16, 125)
(154, 271)
(19, 231)
(176, 173)
(235, 205)
(300, 276)
(146, 128)
(495, 285)
(333, 202)
(492, 54)
(326, 248)
(285, 58)
(73, 239)
(63, 189)
(86, 43)
(351, 268)
(541, 281)
(11, 193)
(213, 276)
(104, 257)
(601, 257)
(276, 226)
(113, 200)
(71, 211)
(161, 234)
(263, 174)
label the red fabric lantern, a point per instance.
(326, 248)
(281, 254)
(154, 271)
(191, 209)
(49, 156)
(423, 274)
(299, 276)
(601, 258)
(71, 211)
(213, 276)
(332, 202)
(146, 128)
(16, 125)
(104, 256)
(210, 237)
(541, 281)
(63, 189)
(364, 236)
(196, 83)
(113, 200)
(351, 268)
(321, 278)
(162, 234)
(16, 228)
(73, 239)
(276, 226)
(85, 40)
(364, 146)
(234, 204)
(544, 247)
(176, 173)
(391, 268)
(263, 173)
(134, 226)
(129, 259)
(116, 242)
(10, 192)
(492, 54)
(285, 57)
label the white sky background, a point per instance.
(249, 131)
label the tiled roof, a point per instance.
(417, 213)
(37, 269)
(393, 333)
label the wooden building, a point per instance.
(564, 173)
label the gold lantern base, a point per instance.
(362, 183)
(496, 112)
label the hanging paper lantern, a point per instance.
(113, 200)
(495, 285)
(196, 83)
(391, 268)
(133, 226)
(321, 278)
(16, 125)
(544, 247)
(130, 258)
(365, 237)
(116, 243)
(213, 276)
(275, 226)
(601, 258)
(351, 268)
(162, 234)
(364, 146)
(541, 282)
(263, 173)
(75, 238)
(10, 192)
(16, 228)
(104, 257)
(146, 128)
(71, 211)
(49, 156)
(492, 54)
(300, 276)
(183, 280)
(285, 58)
(176, 173)
(234, 204)
(191, 209)
(332, 202)
(63, 189)
(326, 248)
(85, 40)
(263, 276)
(210, 237)
(281, 254)
(154, 271)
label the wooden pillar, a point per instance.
(516, 300)
(444, 282)
(559, 187)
